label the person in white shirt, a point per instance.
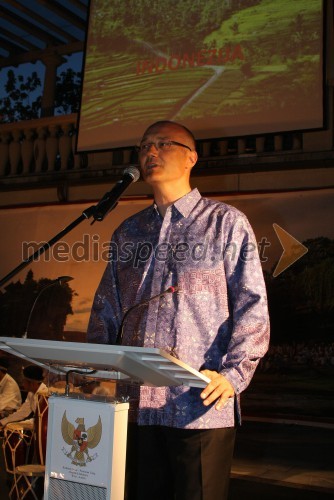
(10, 394)
(33, 382)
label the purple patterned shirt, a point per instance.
(218, 319)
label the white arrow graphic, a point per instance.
(292, 250)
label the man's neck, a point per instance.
(165, 197)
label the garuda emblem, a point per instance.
(80, 439)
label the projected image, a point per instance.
(223, 68)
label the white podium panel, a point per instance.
(143, 365)
(86, 449)
(86, 439)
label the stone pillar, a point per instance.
(65, 145)
(259, 141)
(52, 147)
(15, 151)
(297, 142)
(40, 148)
(278, 141)
(51, 61)
(223, 147)
(4, 152)
(205, 148)
(77, 160)
(27, 149)
(241, 145)
(126, 156)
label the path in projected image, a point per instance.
(217, 71)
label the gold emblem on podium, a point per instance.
(80, 439)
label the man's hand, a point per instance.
(219, 389)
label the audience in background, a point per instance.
(33, 384)
(10, 394)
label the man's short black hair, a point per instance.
(33, 372)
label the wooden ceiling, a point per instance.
(31, 28)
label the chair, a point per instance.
(29, 482)
(29, 477)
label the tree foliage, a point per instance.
(185, 23)
(24, 100)
(18, 103)
(68, 91)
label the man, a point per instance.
(217, 322)
(33, 383)
(10, 394)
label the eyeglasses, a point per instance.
(144, 147)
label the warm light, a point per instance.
(60, 280)
(63, 279)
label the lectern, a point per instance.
(86, 439)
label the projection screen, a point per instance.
(223, 68)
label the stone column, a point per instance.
(278, 141)
(241, 145)
(223, 147)
(77, 160)
(65, 145)
(260, 141)
(4, 152)
(51, 61)
(27, 149)
(52, 147)
(39, 148)
(205, 149)
(15, 151)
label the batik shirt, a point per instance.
(218, 318)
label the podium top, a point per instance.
(146, 366)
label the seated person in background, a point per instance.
(101, 390)
(33, 384)
(10, 394)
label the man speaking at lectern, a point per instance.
(216, 321)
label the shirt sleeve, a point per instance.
(25, 410)
(105, 317)
(248, 305)
(10, 396)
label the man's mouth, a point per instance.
(150, 166)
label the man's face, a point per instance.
(31, 385)
(166, 166)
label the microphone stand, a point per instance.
(60, 281)
(107, 203)
(67, 386)
(119, 338)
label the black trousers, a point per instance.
(166, 463)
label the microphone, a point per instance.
(109, 201)
(119, 338)
(60, 280)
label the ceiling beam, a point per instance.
(18, 39)
(80, 6)
(64, 13)
(41, 20)
(10, 47)
(29, 27)
(38, 55)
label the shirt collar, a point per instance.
(186, 204)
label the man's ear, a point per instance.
(193, 157)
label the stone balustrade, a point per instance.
(45, 148)
(36, 146)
